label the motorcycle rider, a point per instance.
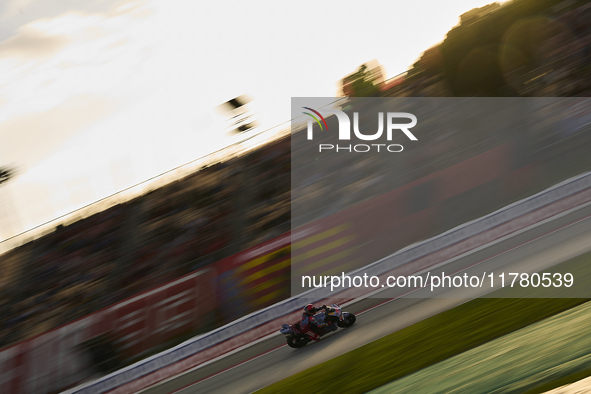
(308, 323)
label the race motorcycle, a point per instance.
(326, 322)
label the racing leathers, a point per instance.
(309, 324)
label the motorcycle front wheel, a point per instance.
(349, 320)
(297, 342)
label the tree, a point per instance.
(429, 64)
(5, 174)
(365, 82)
(472, 49)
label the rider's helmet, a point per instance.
(309, 309)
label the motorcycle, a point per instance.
(326, 322)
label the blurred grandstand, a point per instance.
(166, 233)
(242, 199)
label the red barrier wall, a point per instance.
(55, 360)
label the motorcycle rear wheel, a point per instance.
(297, 342)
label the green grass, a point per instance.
(575, 377)
(434, 339)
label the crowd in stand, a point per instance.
(145, 242)
(62, 276)
(231, 206)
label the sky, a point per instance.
(98, 95)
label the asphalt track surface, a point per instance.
(270, 360)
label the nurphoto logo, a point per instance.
(344, 132)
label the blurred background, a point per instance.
(95, 99)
